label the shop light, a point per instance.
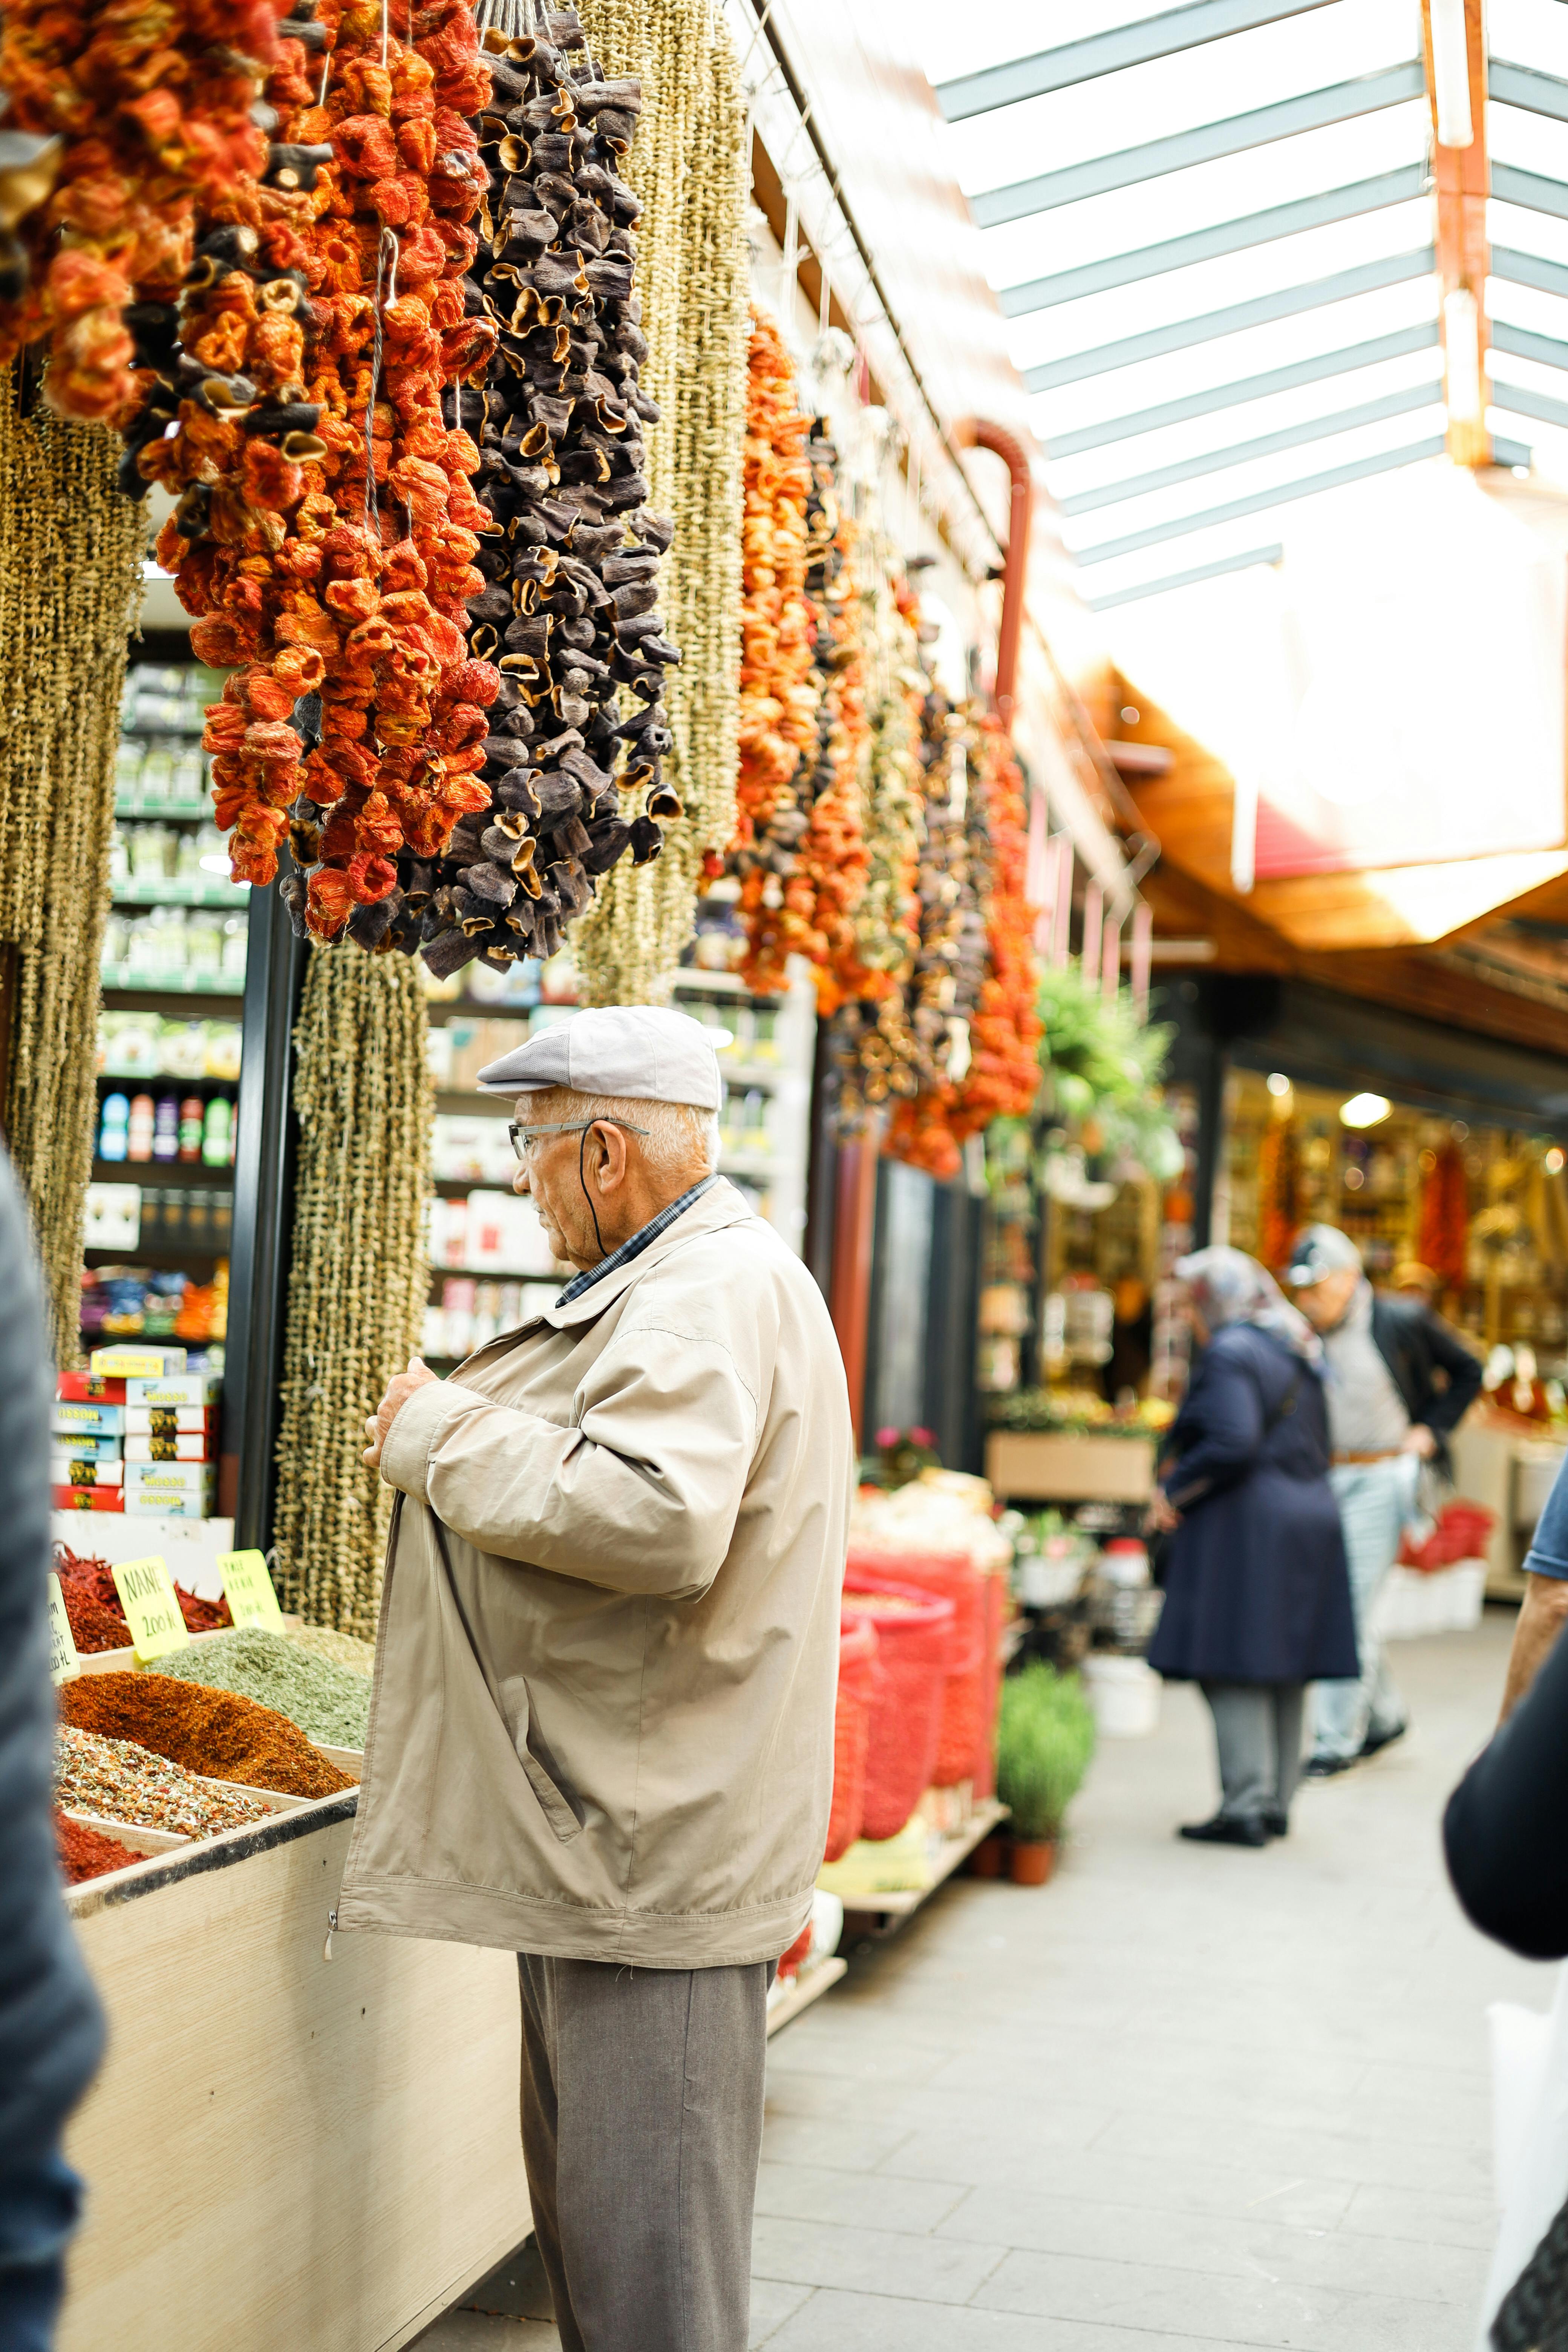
(1451, 74)
(1554, 1161)
(1462, 353)
(1364, 1110)
(1279, 1084)
(214, 865)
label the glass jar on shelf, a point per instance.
(152, 850)
(153, 787)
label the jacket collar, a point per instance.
(719, 1206)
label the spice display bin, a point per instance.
(336, 2155)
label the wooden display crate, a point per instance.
(1054, 1466)
(282, 2150)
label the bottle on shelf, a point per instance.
(112, 1139)
(216, 1129)
(191, 1126)
(167, 1128)
(140, 1129)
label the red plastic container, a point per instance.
(954, 1575)
(998, 1614)
(1461, 1532)
(914, 1643)
(858, 1680)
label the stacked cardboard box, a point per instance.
(142, 1441)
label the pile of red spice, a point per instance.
(214, 1732)
(97, 1619)
(87, 1854)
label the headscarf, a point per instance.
(1228, 1287)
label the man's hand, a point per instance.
(398, 1393)
(1420, 1441)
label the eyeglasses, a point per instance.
(523, 1137)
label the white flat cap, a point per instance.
(643, 1051)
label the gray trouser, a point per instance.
(1257, 1731)
(642, 2125)
(1376, 1498)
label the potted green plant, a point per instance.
(1044, 1741)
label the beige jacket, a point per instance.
(602, 1718)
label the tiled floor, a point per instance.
(1180, 2098)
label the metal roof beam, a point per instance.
(1254, 557)
(1312, 111)
(1317, 370)
(1526, 87)
(1529, 269)
(1361, 469)
(1266, 445)
(1104, 53)
(1211, 243)
(1524, 345)
(1515, 401)
(1181, 334)
(1528, 190)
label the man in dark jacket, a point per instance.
(1399, 1381)
(51, 2030)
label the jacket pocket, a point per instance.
(514, 1702)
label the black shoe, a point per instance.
(1276, 1824)
(1226, 1829)
(1323, 1768)
(1377, 1740)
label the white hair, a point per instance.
(678, 1138)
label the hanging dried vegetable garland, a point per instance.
(570, 610)
(327, 525)
(70, 565)
(1443, 1216)
(121, 124)
(357, 1278)
(691, 167)
(778, 729)
(1003, 1073)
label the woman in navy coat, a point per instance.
(1257, 1601)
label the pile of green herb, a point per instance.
(325, 1700)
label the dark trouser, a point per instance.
(642, 2125)
(1257, 1731)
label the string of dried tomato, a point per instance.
(778, 701)
(327, 528)
(151, 111)
(1003, 1073)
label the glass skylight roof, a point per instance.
(1211, 232)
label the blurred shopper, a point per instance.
(1256, 1599)
(1387, 1415)
(601, 1735)
(51, 2030)
(1544, 1612)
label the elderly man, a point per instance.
(1387, 1415)
(603, 1730)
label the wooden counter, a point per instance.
(284, 2154)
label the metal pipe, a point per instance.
(976, 433)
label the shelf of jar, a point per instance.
(123, 979)
(180, 724)
(178, 812)
(178, 890)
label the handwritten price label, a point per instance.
(152, 1607)
(251, 1600)
(63, 1660)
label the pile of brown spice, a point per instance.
(87, 1854)
(210, 1731)
(92, 1605)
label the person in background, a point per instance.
(1544, 1612)
(1257, 1597)
(1389, 1410)
(51, 2029)
(1411, 1279)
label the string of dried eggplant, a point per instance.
(70, 558)
(357, 1276)
(569, 613)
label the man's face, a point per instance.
(549, 1175)
(1324, 1303)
